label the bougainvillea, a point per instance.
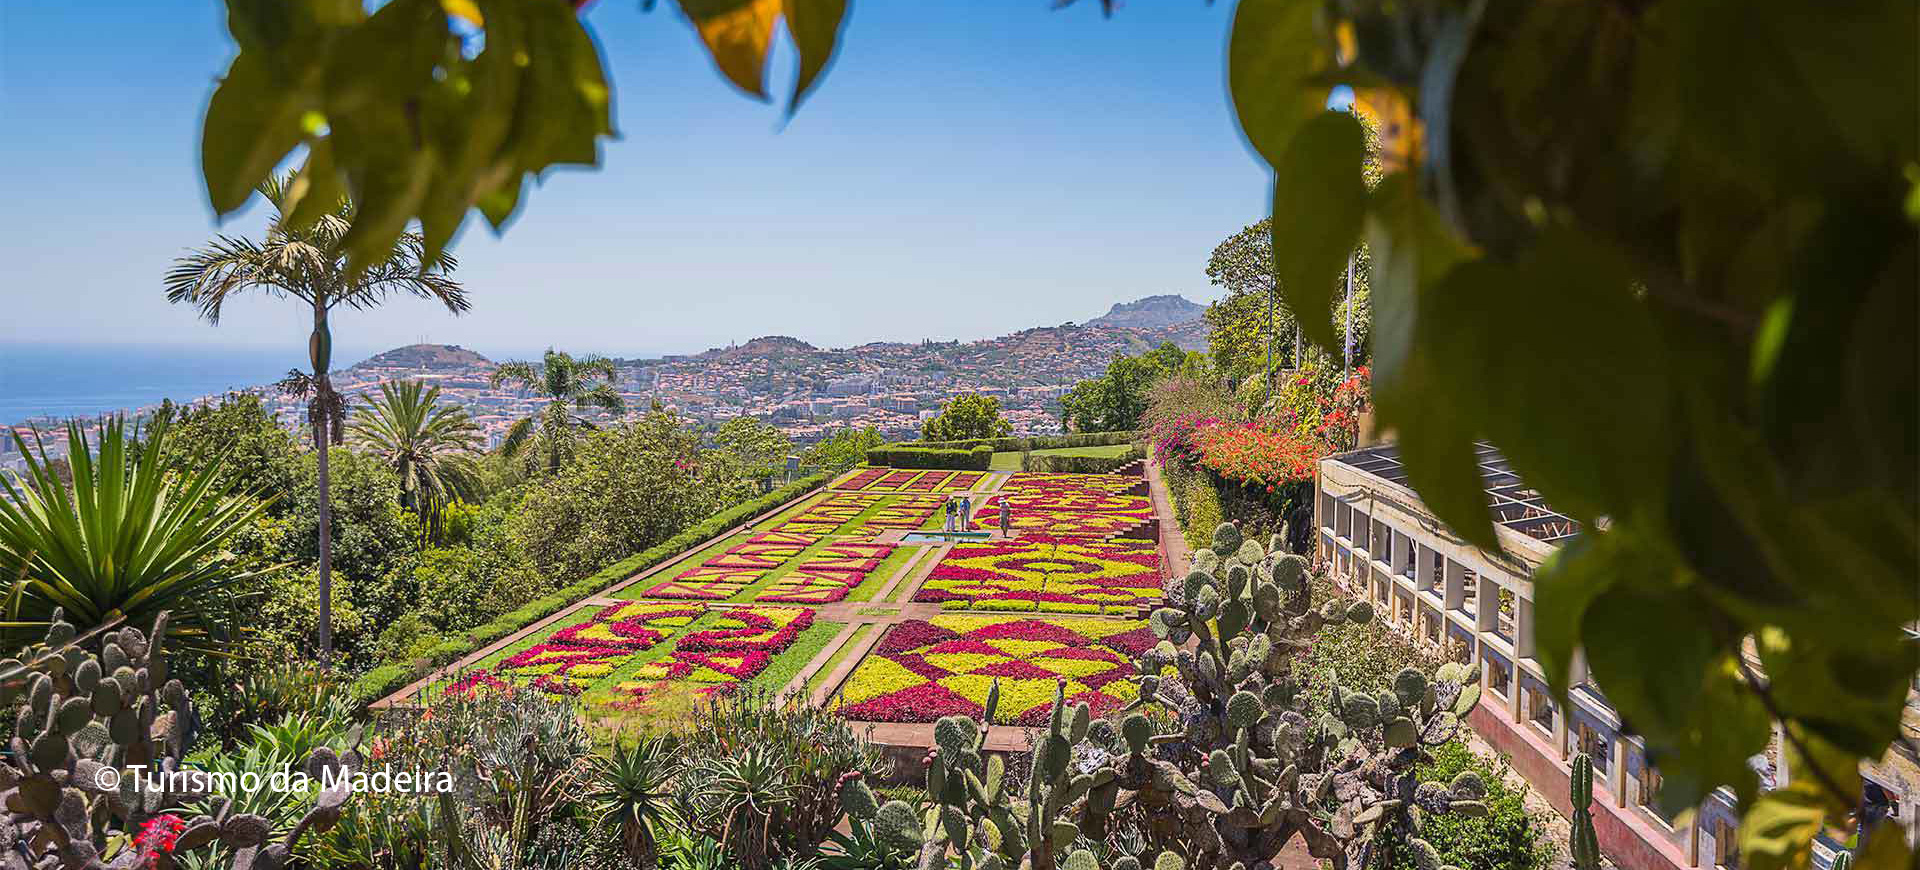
(735, 650)
(1040, 573)
(922, 670)
(1250, 454)
(570, 659)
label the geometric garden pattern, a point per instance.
(922, 670)
(1040, 573)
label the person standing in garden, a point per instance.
(966, 511)
(1006, 521)
(948, 507)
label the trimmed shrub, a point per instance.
(1056, 463)
(393, 676)
(1037, 442)
(908, 456)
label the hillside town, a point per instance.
(805, 391)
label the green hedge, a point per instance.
(1037, 442)
(911, 456)
(1059, 463)
(393, 676)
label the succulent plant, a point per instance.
(974, 811)
(80, 718)
(1276, 761)
(1581, 841)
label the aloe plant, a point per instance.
(130, 536)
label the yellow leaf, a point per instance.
(736, 33)
(1392, 116)
(465, 10)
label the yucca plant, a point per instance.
(130, 536)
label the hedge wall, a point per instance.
(394, 676)
(914, 456)
(1037, 442)
(1056, 463)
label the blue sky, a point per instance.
(964, 170)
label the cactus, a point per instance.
(1260, 761)
(1582, 842)
(974, 811)
(80, 719)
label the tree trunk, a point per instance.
(322, 444)
(321, 351)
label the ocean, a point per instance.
(82, 381)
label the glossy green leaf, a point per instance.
(1699, 719)
(1564, 372)
(1847, 686)
(1274, 52)
(1563, 588)
(1412, 251)
(815, 27)
(252, 121)
(316, 190)
(1319, 203)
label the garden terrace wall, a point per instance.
(394, 676)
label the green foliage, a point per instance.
(255, 453)
(1034, 442)
(1507, 836)
(970, 415)
(428, 446)
(629, 793)
(842, 450)
(1245, 326)
(755, 450)
(763, 776)
(129, 536)
(1364, 655)
(626, 489)
(910, 456)
(1720, 276)
(1116, 400)
(576, 390)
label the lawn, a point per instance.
(839, 655)
(1009, 460)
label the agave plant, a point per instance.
(130, 536)
(628, 790)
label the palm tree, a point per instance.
(569, 384)
(308, 260)
(430, 446)
(129, 535)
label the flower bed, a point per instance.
(1040, 573)
(829, 575)
(706, 582)
(736, 650)
(922, 670)
(1113, 483)
(897, 479)
(861, 479)
(1062, 524)
(928, 482)
(906, 512)
(836, 509)
(962, 480)
(570, 659)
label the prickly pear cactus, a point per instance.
(82, 718)
(975, 812)
(1260, 760)
(1582, 842)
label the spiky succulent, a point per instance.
(81, 717)
(1276, 761)
(1582, 842)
